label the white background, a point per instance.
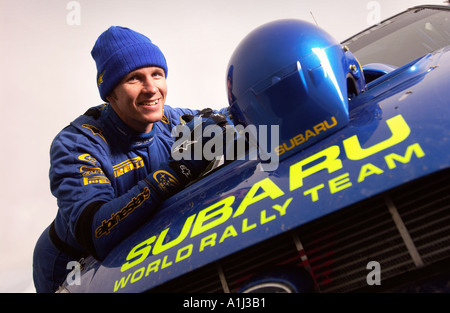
(48, 78)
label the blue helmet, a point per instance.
(293, 74)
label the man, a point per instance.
(112, 166)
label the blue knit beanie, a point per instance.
(119, 51)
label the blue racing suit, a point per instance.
(98, 175)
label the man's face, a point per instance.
(139, 98)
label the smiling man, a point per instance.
(139, 99)
(112, 166)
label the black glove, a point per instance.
(188, 156)
(187, 160)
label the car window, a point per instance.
(404, 38)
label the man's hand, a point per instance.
(199, 140)
(189, 157)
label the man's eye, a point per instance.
(158, 74)
(131, 78)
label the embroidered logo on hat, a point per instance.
(100, 79)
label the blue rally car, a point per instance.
(353, 197)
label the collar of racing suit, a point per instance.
(117, 130)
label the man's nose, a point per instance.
(149, 85)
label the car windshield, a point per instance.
(404, 38)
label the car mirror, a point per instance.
(374, 71)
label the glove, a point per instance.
(187, 160)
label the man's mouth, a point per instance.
(150, 103)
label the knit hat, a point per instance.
(119, 51)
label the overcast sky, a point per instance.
(48, 79)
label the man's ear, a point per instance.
(111, 96)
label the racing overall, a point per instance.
(98, 175)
